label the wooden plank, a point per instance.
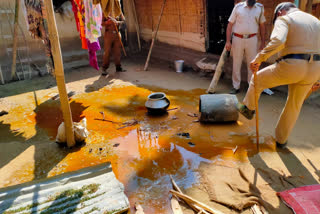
(59, 72)
(198, 203)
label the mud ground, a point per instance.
(145, 154)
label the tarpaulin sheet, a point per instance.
(303, 200)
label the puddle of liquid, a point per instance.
(145, 154)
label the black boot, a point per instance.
(104, 71)
(281, 145)
(119, 69)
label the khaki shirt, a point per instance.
(295, 33)
(246, 20)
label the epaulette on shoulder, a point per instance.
(259, 4)
(239, 4)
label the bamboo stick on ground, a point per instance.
(139, 209)
(187, 199)
(59, 72)
(256, 210)
(15, 41)
(176, 209)
(193, 206)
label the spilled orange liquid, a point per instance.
(144, 155)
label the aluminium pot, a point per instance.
(157, 103)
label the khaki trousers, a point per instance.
(111, 45)
(299, 75)
(240, 46)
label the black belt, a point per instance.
(316, 57)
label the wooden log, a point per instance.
(218, 72)
(187, 198)
(15, 41)
(136, 22)
(155, 36)
(59, 72)
(176, 209)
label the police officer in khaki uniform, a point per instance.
(245, 21)
(296, 37)
(112, 43)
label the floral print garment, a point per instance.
(93, 19)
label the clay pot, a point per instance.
(157, 103)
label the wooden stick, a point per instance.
(119, 37)
(15, 41)
(218, 71)
(59, 72)
(174, 184)
(256, 210)
(198, 203)
(155, 36)
(1, 76)
(176, 209)
(139, 209)
(256, 95)
(136, 23)
(193, 206)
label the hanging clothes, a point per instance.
(92, 49)
(75, 11)
(38, 27)
(110, 7)
(80, 13)
(93, 19)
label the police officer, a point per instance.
(296, 37)
(245, 20)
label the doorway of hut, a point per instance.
(218, 14)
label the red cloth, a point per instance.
(75, 11)
(302, 200)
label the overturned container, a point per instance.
(215, 108)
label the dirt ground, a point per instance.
(145, 154)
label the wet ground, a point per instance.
(143, 149)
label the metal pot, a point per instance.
(157, 103)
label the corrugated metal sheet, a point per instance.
(90, 190)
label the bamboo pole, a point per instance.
(59, 72)
(136, 22)
(218, 72)
(188, 199)
(15, 41)
(256, 98)
(155, 36)
(119, 37)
